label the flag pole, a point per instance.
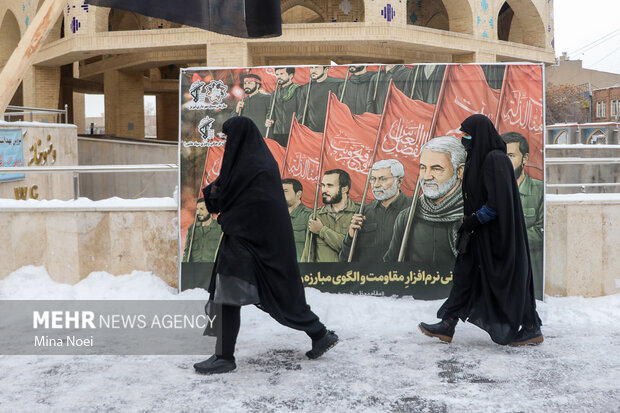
(415, 80)
(310, 237)
(414, 204)
(303, 117)
(374, 97)
(23, 55)
(502, 95)
(273, 103)
(372, 161)
(416, 193)
(346, 78)
(287, 146)
(442, 91)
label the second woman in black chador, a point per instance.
(492, 280)
(256, 262)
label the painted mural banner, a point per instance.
(371, 164)
(11, 153)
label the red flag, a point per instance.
(277, 151)
(405, 128)
(213, 163)
(302, 159)
(522, 111)
(466, 93)
(349, 143)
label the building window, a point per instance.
(603, 107)
(598, 109)
(614, 111)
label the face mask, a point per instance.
(467, 143)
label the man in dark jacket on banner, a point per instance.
(286, 104)
(255, 105)
(256, 262)
(314, 107)
(376, 224)
(492, 283)
(380, 81)
(439, 211)
(355, 93)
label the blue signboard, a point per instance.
(11, 152)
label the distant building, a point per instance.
(571, 72)
(606, 104)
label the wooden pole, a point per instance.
(23, 55)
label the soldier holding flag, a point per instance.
(256, 104)
(285, 104)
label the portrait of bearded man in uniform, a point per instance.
(439, 210)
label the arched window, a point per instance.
(452, 15)
(301, 14)
(519, 21)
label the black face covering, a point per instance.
(484, 139)
(467, 144)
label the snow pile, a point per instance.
(34, 283)
(383, 363)
(109, 204)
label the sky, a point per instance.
(586, 30)
(581, 23)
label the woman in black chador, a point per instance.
(256, 262)
(492, 283)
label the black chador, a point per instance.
(256, 262)
(492, 286)
(355, 93)
(317, 102)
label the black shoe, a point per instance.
(215, 365)
(528, 336)
(320, 346)
(444, 330)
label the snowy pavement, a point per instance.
(382, 364)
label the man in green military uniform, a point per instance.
(300, 214)
(286, 103)
(376, 225)
(255, 105)
(532, 193)
(355, 90)
(333, 218)
(439, 211)
(203, 237)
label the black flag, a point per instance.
(240, 18)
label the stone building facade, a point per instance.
(126, 56)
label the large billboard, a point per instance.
(380, 140)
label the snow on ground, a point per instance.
(383, 363)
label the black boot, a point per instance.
(444, 330)
(321, 345)
(528, 336)
(215, 365)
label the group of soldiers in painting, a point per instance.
(327, 235)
